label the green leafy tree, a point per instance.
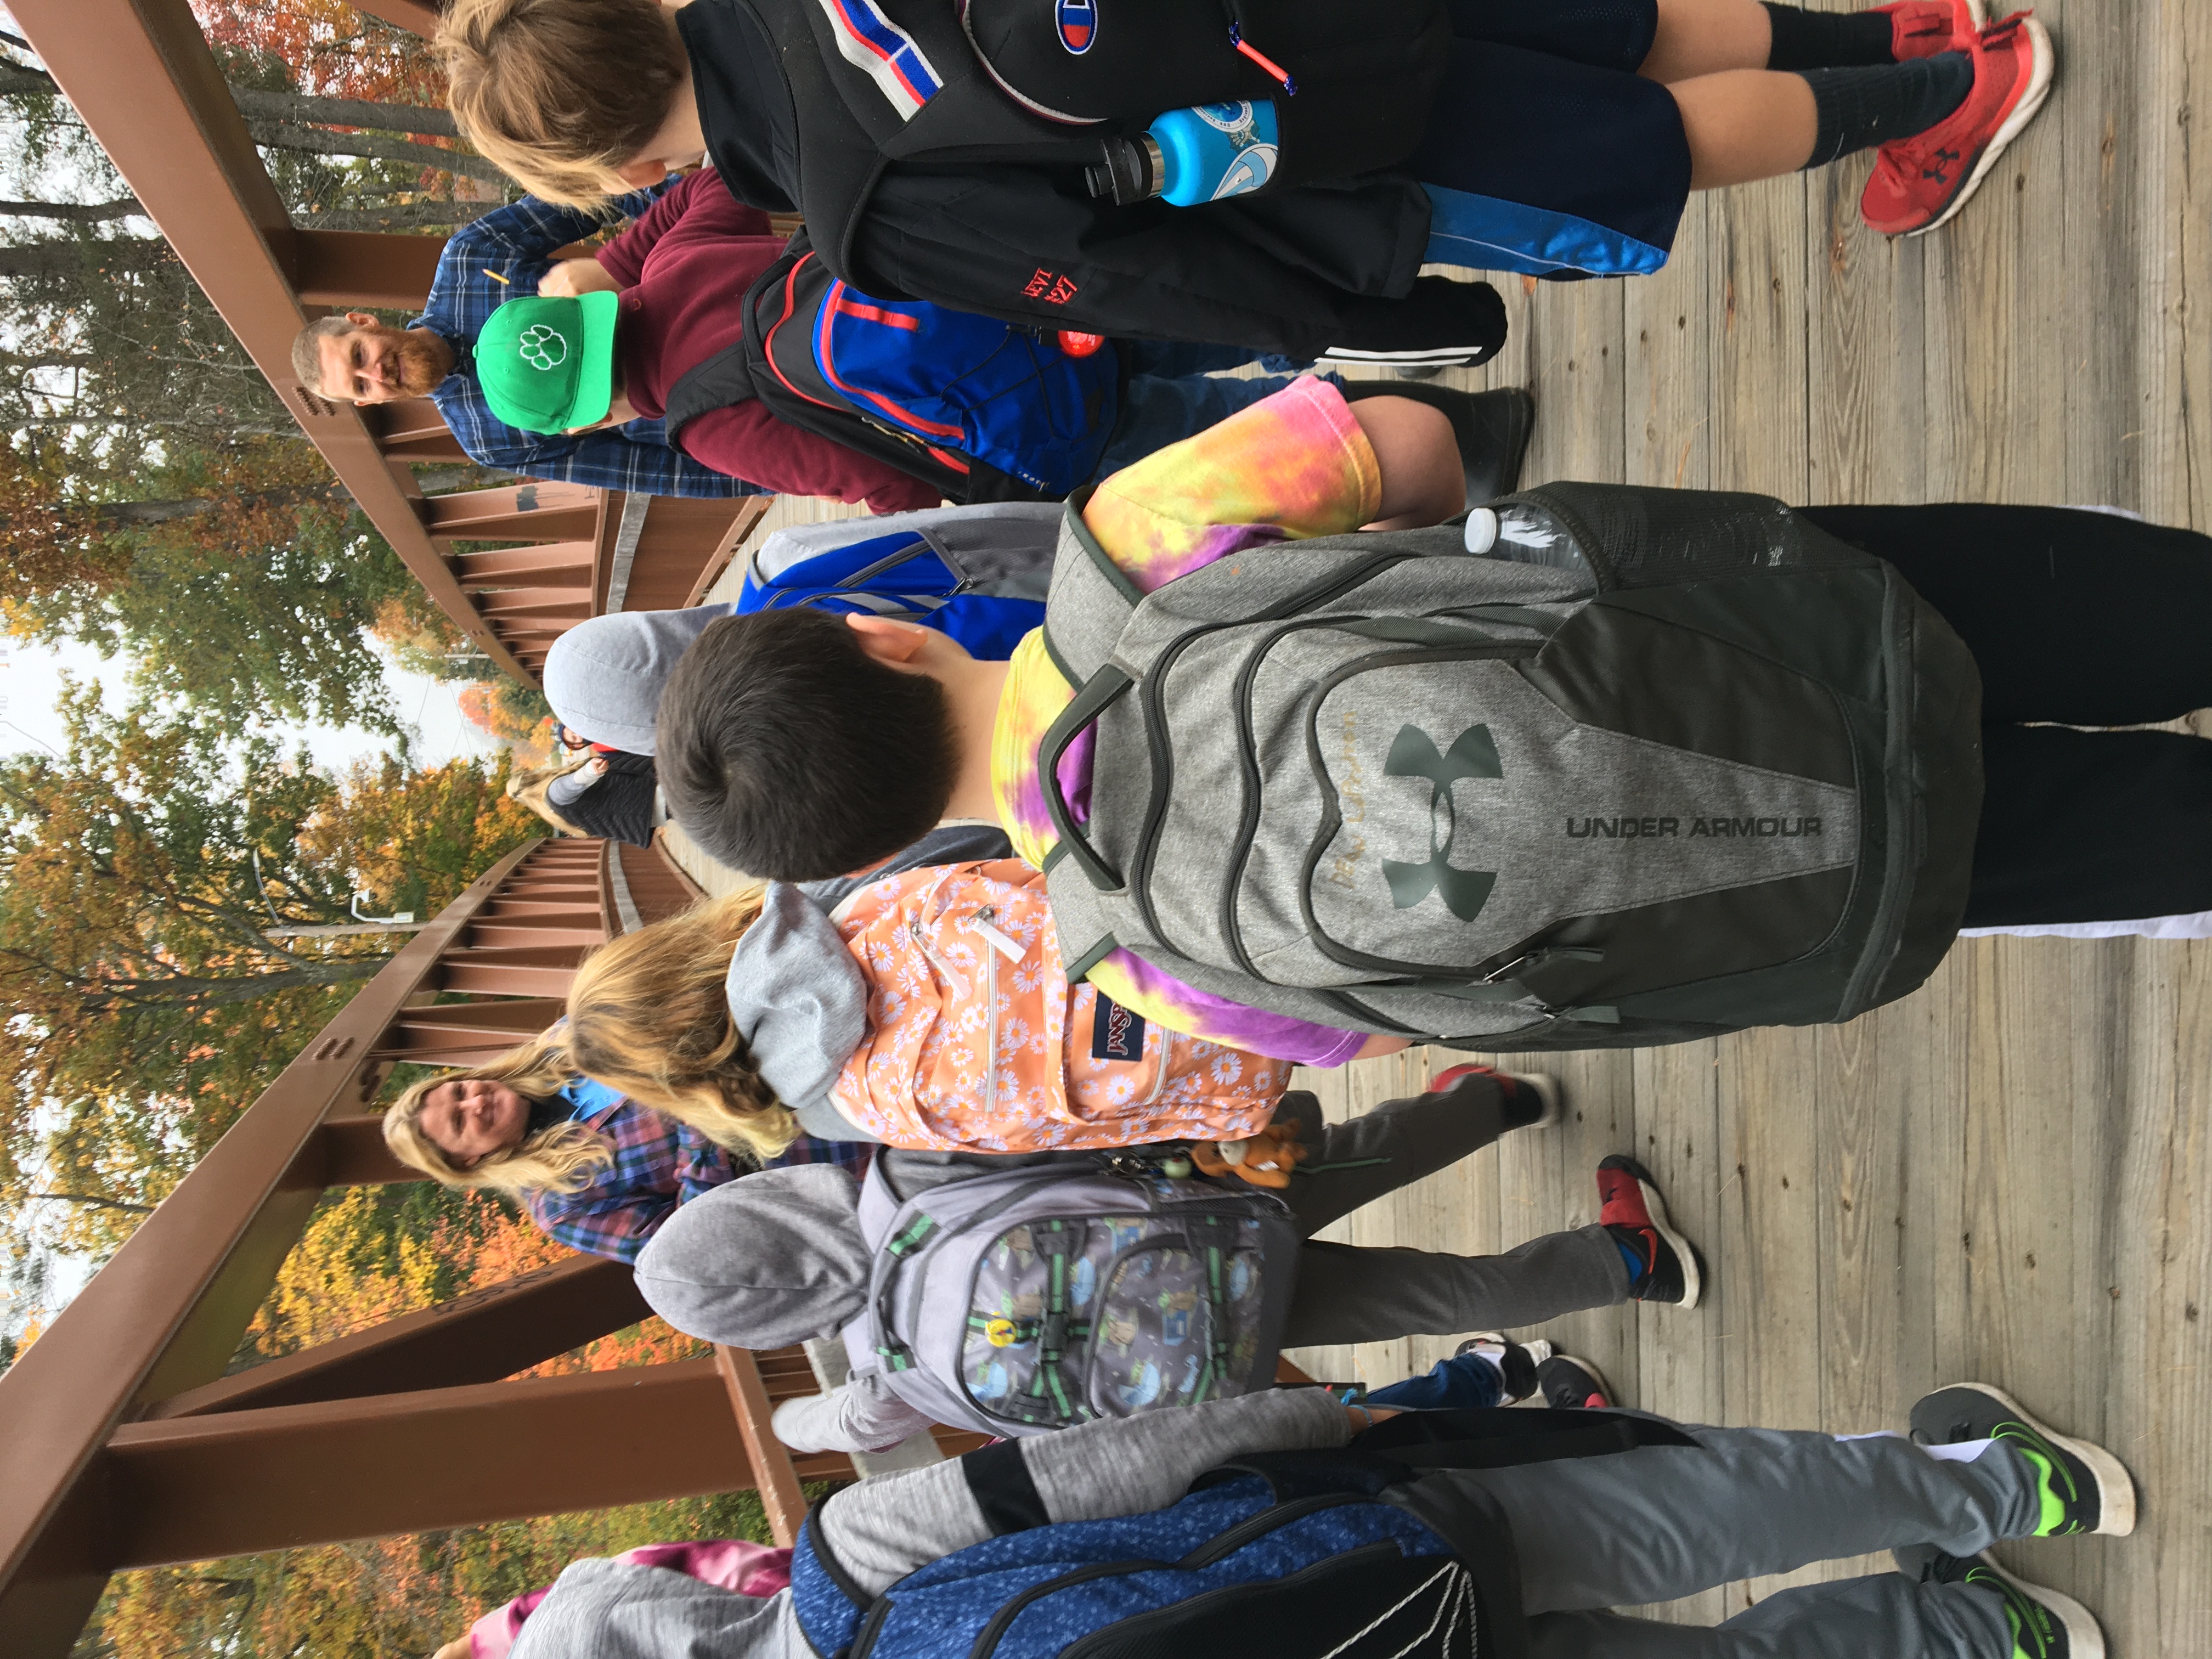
(152, 882)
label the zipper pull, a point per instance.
(1012, 950)
(1236, 40)
(959, 981)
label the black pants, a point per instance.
(2086, 619)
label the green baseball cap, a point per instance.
(548, 364)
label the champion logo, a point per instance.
(1078, 23)
(542, 348)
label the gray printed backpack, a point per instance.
(1659, 764)
(1022, 1301)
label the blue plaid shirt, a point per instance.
(517, 242)
(659, 1164)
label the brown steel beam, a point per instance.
(416, 16)
(482, 1337)
(524, 1017)
(412, 429)
(548, 564)
(753, 509)
(508, 979)
(343, 268)
(141, 76)
(196, 1487)
(354, 1155)
(520, 513)
(774, 1477)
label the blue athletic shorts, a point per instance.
(1547, 154)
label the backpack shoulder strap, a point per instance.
(1090, 601)
(722, 379)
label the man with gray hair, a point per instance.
(351, 357)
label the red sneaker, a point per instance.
(1532, 1098)
(1921, 181)
(1921, 28)
(1631, 1209)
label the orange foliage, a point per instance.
(332, 49)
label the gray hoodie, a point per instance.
(779, 1258)
(800, 1002)
(885, 1528)
(604, 675)
(776, 1259)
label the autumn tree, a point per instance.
(150, 882)
(106, 328)
(371, 1254)
(239, 579)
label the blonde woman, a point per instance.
(596, 1170)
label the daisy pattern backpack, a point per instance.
(977, 1041)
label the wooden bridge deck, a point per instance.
(2008, 1175)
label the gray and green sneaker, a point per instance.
(2084, 1487)
(2044, 1624)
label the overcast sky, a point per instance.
(32, 680)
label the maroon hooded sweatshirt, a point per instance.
(685, 268)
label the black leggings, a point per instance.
(2087, 619)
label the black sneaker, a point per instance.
(1492, 428)
(2044, 1624)
(1632, 1211)
(2085, 1488)
(1573, 1383)
(1516, 1362)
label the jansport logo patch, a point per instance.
(1413, 755)
(1117, 1033)
(1078, 23)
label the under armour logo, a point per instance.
(542, 347)
(1413, 755)
(1941, 158)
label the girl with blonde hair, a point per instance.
(930, 1009)
(595, 1171)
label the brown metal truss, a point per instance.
(122, 1442)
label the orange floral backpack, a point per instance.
(976, 1041)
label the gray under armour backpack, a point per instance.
(1661, 764)
(1022, 1301)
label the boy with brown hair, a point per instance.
(779, 751)
(1560, 137)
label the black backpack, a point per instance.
(874, 81)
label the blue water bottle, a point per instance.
(1204, 154)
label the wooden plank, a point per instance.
(774, 1476)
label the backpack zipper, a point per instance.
(1156, 742)
(995, 1630)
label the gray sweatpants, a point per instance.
(1663, 1521)
(1346, 1293)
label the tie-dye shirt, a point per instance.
(1290, 466)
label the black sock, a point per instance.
(1859, 108)
(1828, 40)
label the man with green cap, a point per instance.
(548, 364)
